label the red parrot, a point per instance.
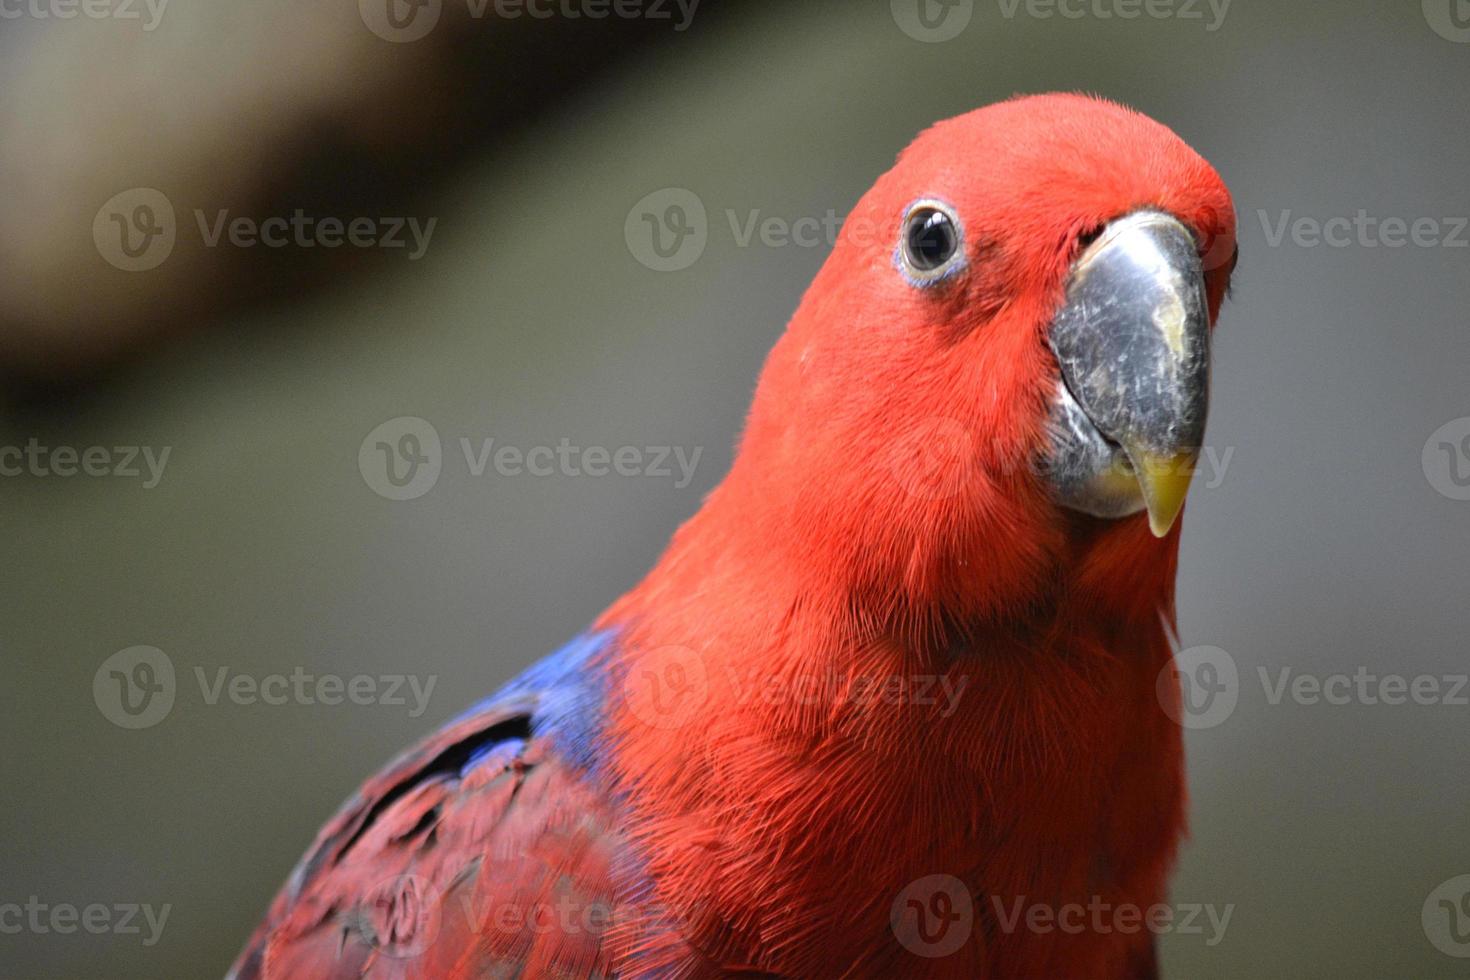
(901, 674)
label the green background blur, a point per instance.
(1326, 548)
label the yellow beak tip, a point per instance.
(1165, 483)
(1160, 525)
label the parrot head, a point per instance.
(1008, 351)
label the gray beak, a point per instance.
(1133, 343)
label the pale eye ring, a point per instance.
(932, 244)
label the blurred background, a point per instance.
(246, 247)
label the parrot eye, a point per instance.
(931, 249)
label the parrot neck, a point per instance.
(792, 726)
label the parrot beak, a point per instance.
(1132, 340)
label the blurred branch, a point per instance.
(258, 110)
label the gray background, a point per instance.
(1326, 548)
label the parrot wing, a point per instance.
(486, 851)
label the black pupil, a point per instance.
(932, 239)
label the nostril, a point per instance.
(1085, 240)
